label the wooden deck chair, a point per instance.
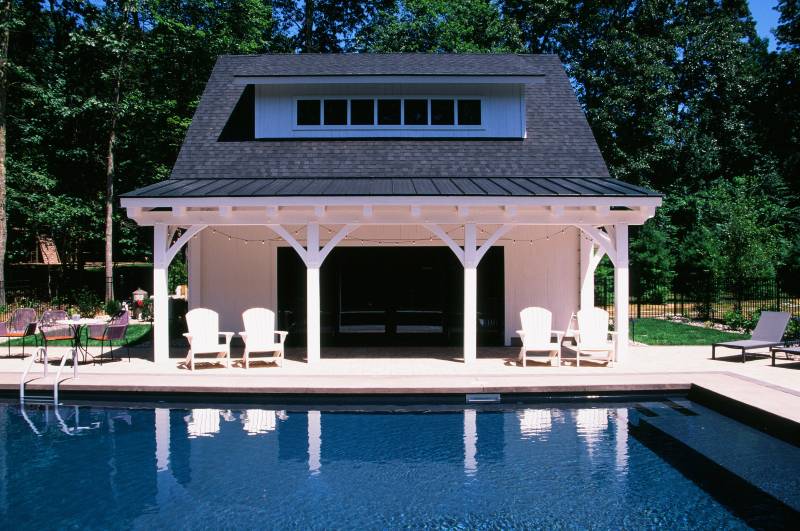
(260, 335)
(593, 338)
(203, 336)
(537, 335)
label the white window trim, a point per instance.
(375, 126)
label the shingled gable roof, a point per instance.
(558, 157)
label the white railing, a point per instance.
(61, 368)
(43, 352)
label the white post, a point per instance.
(312, 294)
(470, 294)
(587, 273)
(621, 295)
(160, 294)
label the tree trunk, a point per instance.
(112, 138)
(308, 27)
(109, 258)
(4, 42)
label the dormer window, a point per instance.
(362, 112)
(416, 112)
(308, 112)
(389, 112)
(335, 112)
(442, 112)
(382, 113)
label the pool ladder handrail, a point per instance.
(43, 352)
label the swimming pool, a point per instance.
(661, 462)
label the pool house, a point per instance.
(390, 199)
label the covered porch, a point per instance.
(569, 233)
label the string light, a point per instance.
(393, 241)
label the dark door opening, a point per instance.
(391, 296)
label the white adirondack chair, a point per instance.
(537, 335)
(593, 338)
(259, 335)
(203, 336)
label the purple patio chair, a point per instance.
(22, 324)
(51, 331)
(114, 330)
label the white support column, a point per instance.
(590, 256)
(160, 294)
(587, 274)
(312, 293)
(470, 256)
(621, 291)
(313, 257)
(470, 294)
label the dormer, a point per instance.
(473, 100)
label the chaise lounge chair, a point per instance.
(768, 333)
(788, 351)
(259, 335)
(537, 335)
(203, 336)
(593, 338)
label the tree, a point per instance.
(788, 30)
(323, 26)
(5, 37)
(441, 26)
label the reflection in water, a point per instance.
(622, 440)
(591, 425)
(258, 421)
(535, 423)
(470, 442)
(314, 442)
(162, 439)
(142, 464)
(202, 422)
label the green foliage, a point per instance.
(86, 302)
(178, 274)
(113, 307)
(746, 321)
(442, 26)
(737, 230)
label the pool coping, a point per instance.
(759, 398)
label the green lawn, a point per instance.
(135, 334)
(660, 332)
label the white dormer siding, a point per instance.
(501, 107)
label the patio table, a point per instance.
(77, 326)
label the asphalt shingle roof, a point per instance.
(559, 155)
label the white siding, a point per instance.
(502, 110)
(229, 277)
(232, 276)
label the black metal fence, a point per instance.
(39, 287)
(703, 299)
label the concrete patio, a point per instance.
(430, 370)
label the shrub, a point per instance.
(86, 302)
(113, 308)
(736, 319)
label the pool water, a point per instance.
(666, 463)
